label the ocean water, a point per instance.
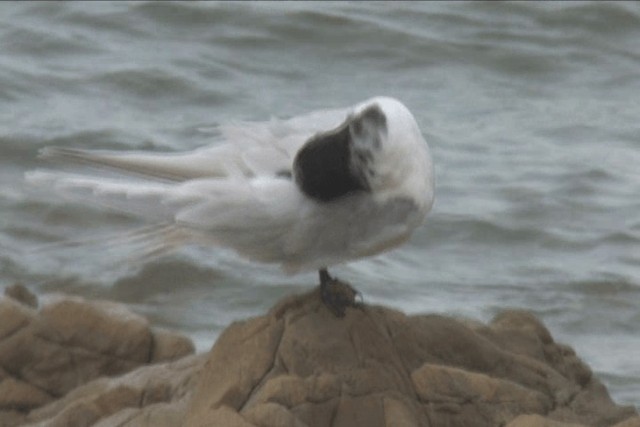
(531, 111)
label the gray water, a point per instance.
(531, 111)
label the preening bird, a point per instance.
(306, 193)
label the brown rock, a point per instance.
(155, 393)
(472, 396)
(13, 317)
(539, 421)
(169, 346)
(630, 422)
(20, 396)
(521, 333)
(21, 294)
(301, 366)
(297, 366)
(46, 353)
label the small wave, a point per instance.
(487, 232)
(456, 228)
(613, 285)
(32, 42)
(164, 16)
(146, 83)
(602, 17)
(621, 238)
(112, 17)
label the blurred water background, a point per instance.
(532, 112)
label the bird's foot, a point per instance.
(337, 295)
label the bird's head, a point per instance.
(377, 149)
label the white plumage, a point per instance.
(306, 193)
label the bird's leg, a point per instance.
(335, 294)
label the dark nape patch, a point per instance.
(323, 166)
(335, 163)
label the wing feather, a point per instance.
(249, 149)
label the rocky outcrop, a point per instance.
(297, 366)
(301, 366)
(49, 351)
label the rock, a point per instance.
(168, 345)
(93, 363)
(538, 421)
(154, 395)
(21, 294)
(47, 352)
(631, 422)
(301, 366)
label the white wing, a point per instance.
(229, 194)
(250, 215)
(248, 149)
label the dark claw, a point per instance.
(337, 295)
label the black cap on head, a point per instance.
(336, 163)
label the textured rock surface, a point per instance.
(153, 395)
(79, 363)
(301, 366)
(47, 352)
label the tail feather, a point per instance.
(218, 161)
(134, 247)
(137, 197)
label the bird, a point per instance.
(306, 193)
